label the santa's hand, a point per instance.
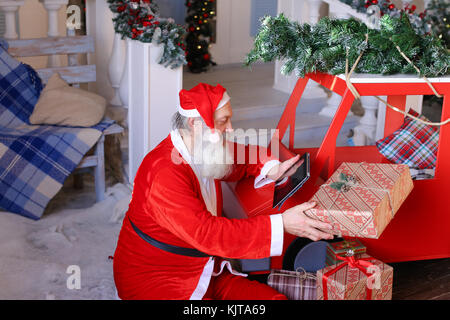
(285, 169)
(297, 223)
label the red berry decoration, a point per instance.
(391, 7)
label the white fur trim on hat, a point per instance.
(193, 113)
(225, 99)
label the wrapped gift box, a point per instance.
(372, 280)
(360, 199)
(341, 248)
(294, 285)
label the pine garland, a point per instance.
(322, 47)
(139, 20)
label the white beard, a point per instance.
(214, 158)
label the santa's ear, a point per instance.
(191, 123)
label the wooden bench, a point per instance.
(73, 74)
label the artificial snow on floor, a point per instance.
(74, 240)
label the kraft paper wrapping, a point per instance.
(366, 205)
(351, 283)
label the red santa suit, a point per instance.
(173, 204)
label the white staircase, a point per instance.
(257, 105)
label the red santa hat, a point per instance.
(202, 101)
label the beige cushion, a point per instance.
(61, 104)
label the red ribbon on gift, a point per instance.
(362, 264)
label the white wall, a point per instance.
(33, 23)
(99, 25)
(233, 40)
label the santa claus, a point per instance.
(174, 239)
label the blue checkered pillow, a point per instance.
(20, 87)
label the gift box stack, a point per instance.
(358, 200)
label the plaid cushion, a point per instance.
(20, 87)
(414, 144)
(34, 160)
(294, 285)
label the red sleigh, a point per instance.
(421, 228)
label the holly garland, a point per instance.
(417, 20)
(139, 20)
(199, 34)
(323, 47)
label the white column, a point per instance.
(99, 25)
(332, 105)
(334, 100)
(10, 7)
(116, 67)
(52, 7)
(123, 85)
(314, 11)
(364, 133)
(152, 100)
(314, 89)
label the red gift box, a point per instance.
(363, 278)
(341, 248)
(360, 199)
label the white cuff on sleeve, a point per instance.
(262, 180)
(277, 235)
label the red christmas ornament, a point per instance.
(374, 1)
(191, 29)
(205, 15)
(391, 7)
(206, 56)
(200, 21)
(146, 23)
(190, 63)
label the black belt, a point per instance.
(190, 252)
